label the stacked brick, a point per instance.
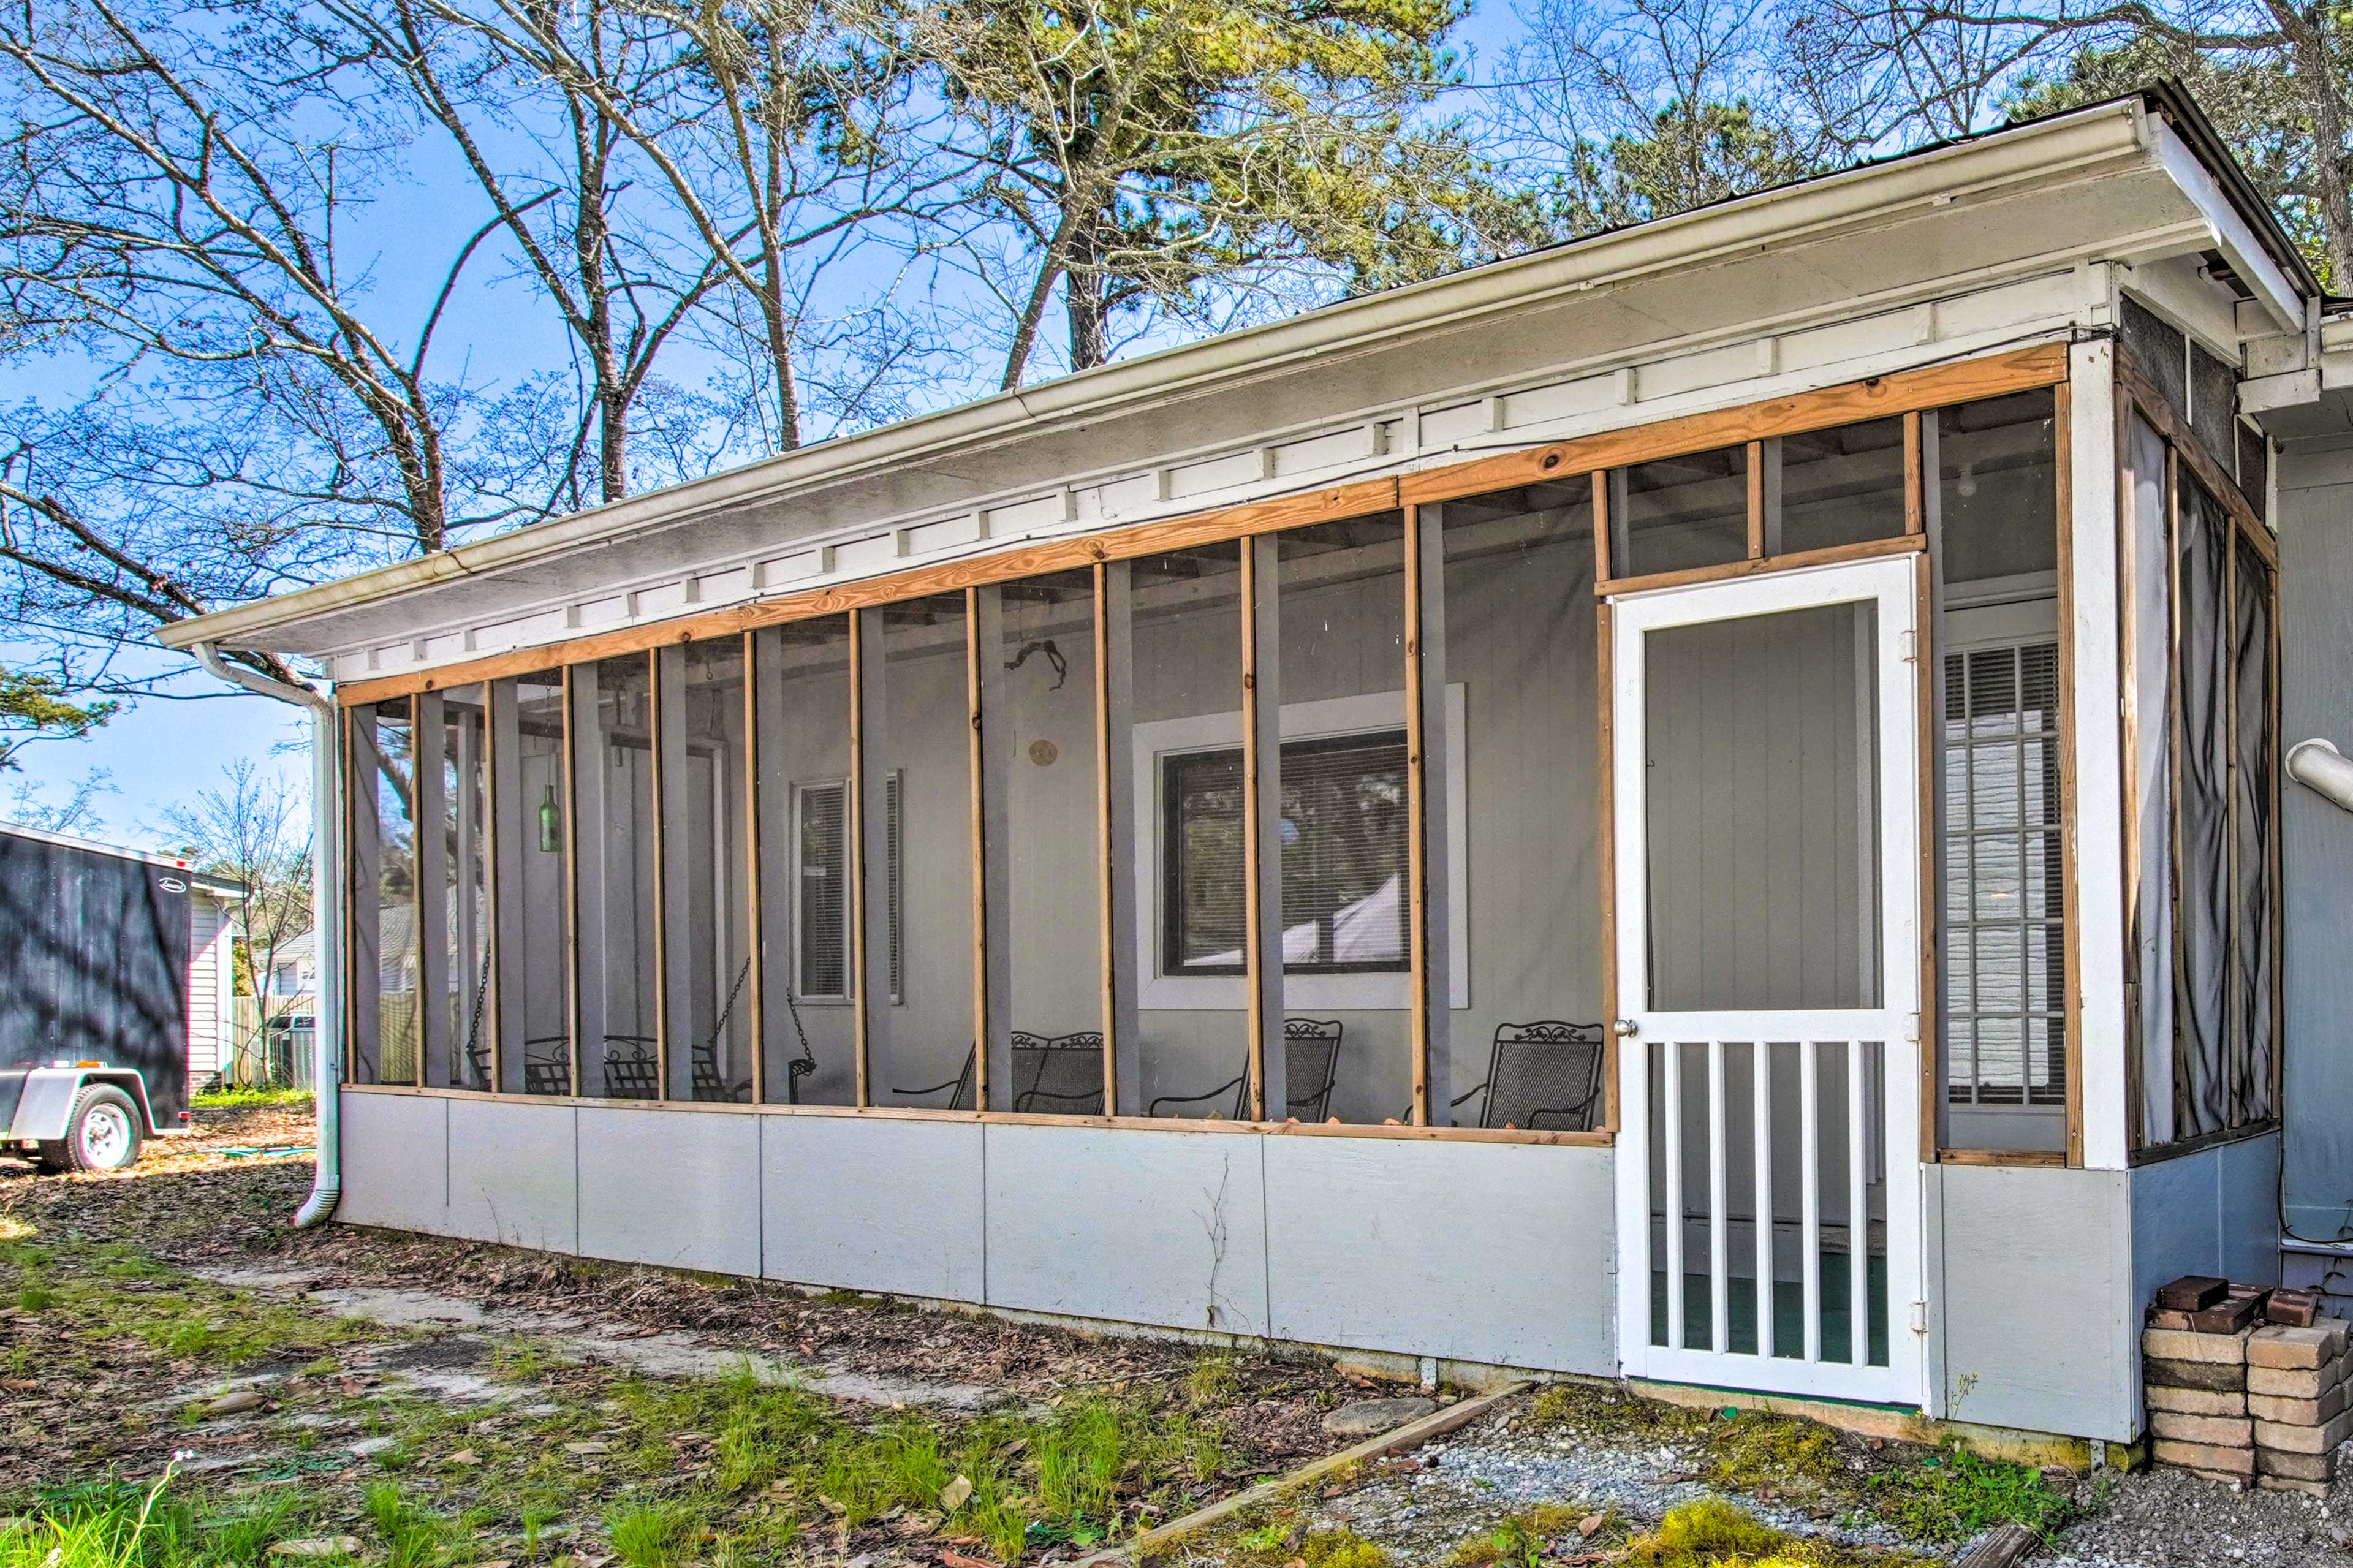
(2246, 1386)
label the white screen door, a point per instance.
(1767, 751)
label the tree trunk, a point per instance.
(1082, 299)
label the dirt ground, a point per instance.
(424, 1403)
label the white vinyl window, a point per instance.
(821, 888)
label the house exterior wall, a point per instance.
(2315, 537)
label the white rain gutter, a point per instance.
(1862, 199)
(326, 924)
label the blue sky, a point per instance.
(161, 752)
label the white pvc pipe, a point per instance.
(326, 925)
(2320, 767)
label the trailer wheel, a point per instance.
(102, 1133)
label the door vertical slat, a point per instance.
(1719, 1239)
(1672, 1103)
(1810, 1193)
(1763, 1095)
(1858, 1207)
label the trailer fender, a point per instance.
(46, 1101)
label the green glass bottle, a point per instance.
(551, 824)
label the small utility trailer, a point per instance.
(99, 959)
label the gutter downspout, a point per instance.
(326, 922)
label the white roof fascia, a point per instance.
(2234, 235)
(198, 882)
(1865, 196)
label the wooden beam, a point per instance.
(1417, 833)
(1335, 502)
(666, 675)
(1755, 464)
(2044, 365)
(2071, 908)
(571, 891)
(1600, 525)
(977, 829)
(1916, 483)
(1117, 898)
(756, 901)
(1606, 817)
(1961, 381)
(1261, 843)
(1829, 555)
(865, 659)
(429, 808)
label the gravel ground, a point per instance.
(2166, 1519)
(1466, 1484)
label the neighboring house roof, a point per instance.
(2144, 165)
(198, 882)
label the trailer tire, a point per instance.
(102, 1133)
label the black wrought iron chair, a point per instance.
(1061, 1075)
(547, 1065)
(1545, 1075)
(1310, 1067)
(634, 1071)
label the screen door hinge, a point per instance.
(1907, 644)
(1910, 1028)
(1919, 1317)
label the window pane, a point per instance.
(2202, 1074)
(613, 781)
(1838, 486)
(1763, 838)
(384, 965)
(1521, 647)
(1342, 821)
(925, 1036)
(1042, 708)
(2253, 829)
(461, 1049)
(1185, 677)
(800, 676)
(1680, 512)
(707, 885)
(535, 840)
(1997, 495)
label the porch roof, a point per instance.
(2137, 178)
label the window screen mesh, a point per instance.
(2005, 980)
(2204, 1095)
(2158, 349)
(2254, 467)
(2213, 403)
(2252, 830)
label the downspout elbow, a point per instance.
(2320, 767)
(327, 1183)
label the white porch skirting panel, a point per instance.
(1495, 1252)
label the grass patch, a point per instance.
(1525, 1540)
(116, 1524)
(1714, 1533)
(1083, 1474)
(1952, 1494)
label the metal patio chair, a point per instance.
(1061, 1075)
(1310, 1065)
(1545, 1075)
(547, 1065)
(635, 1075)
